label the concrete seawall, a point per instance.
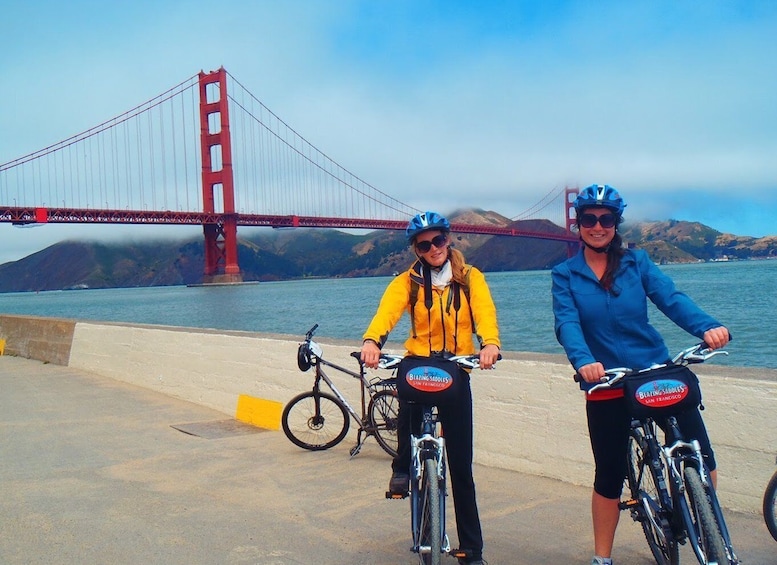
(529, 416)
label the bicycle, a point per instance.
(672, 495)
(317, 420)
(428, 475)
(770, 506)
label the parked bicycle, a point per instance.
(770, 506)
(317, 420)
(672, 496)
(428, 475)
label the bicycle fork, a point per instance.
(693, 456)
(421, 449)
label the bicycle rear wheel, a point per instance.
(315, 420)
(770, 506)
(383, 412)
(705, 527)
(430, 539)
(643, 484)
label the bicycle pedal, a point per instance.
(395, 495)
(628, 504)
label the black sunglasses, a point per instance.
(590, 220)
(438, 241)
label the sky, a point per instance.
(440, 104)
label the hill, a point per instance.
(266, 255)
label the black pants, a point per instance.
(456, 421)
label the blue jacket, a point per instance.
(612, 327)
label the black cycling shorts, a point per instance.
(608, 427)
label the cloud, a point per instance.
(442, 105)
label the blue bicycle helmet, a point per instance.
(425, 222)
(600, 195)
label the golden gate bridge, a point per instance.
(178, 158)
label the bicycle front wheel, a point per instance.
(383, 413)
(648, 511)
(770, 506)
(430, 547)
(705, 527)
(315, 421)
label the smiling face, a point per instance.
(437, 243)
(597, 235)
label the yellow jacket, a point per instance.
(450, 331)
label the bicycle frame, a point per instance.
(426, 445)
(366, 385)
(684, 504)
(321, 375)
(674, 457)
(318, 419)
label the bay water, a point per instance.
(741, 294)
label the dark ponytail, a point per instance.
(614, 253)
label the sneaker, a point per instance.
(601, 561)
(399, 483)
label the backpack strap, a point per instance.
(415, 285)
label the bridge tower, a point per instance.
(221, 237)
(571, 218)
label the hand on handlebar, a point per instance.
(489, 355)
(717, 337)
(591, 373)
(370, 354)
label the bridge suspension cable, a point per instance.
(140, 159)
(554, 197)
(279, 158)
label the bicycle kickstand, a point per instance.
(359, 442)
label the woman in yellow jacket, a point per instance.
(447, 301)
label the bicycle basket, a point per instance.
(662, 392)
(428, 380)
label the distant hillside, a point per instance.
(674, 241)
(266, 255)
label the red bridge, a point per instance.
(145, 166)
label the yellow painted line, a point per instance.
(2, 346)
(259, 412)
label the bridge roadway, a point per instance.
(95, 471)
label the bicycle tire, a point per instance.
(770, 506)
(383, 412)
(431, 533)
(706, 527)
(315, 421)
(643, 485)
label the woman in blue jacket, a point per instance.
(601, 319)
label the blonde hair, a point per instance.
(457, 265)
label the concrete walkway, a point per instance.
(94, 471)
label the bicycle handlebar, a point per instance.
(391, 361)
(698, 353)
(310, 332)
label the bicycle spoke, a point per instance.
(383, 413)
(315, 421)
